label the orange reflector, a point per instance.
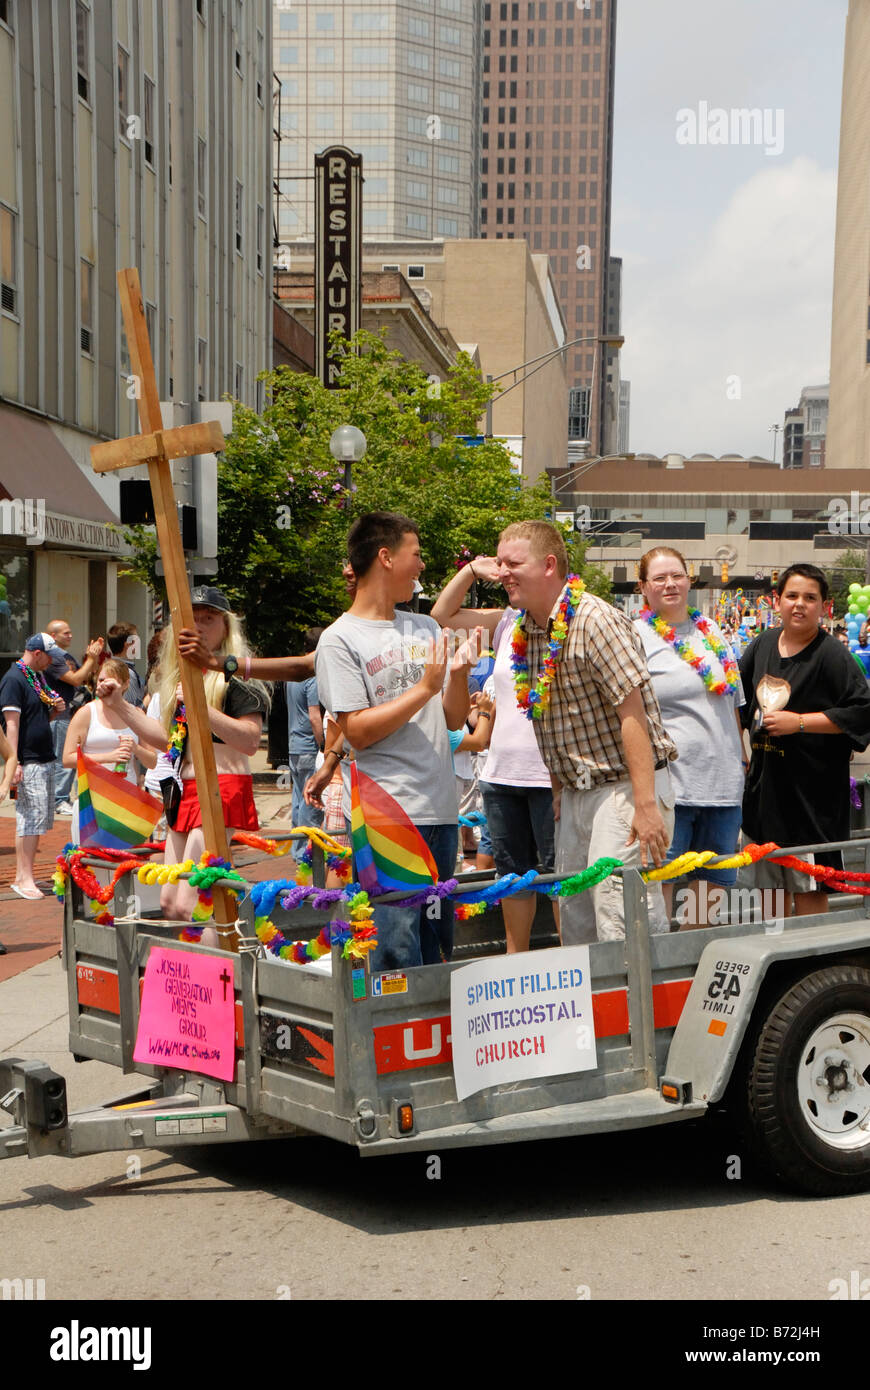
(717, 1027)
(406, 1118)
(670, 1093)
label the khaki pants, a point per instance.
(594, 825)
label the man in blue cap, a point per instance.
(27, 705)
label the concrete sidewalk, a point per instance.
(31, 931)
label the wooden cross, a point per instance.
(155, 447)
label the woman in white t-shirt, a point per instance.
(697, 683)
(516, 789)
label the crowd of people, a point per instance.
(595, 736)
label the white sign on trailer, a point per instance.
(521, 1016)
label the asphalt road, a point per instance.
(651, 1214)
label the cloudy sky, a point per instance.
(727, 249)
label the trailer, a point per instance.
(769, 1019)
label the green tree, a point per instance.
(283, 512)
(847, 568)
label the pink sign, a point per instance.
(187, 1014)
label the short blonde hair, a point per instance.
(544, 539)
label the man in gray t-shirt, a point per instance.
(381, 674)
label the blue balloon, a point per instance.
(4, 608)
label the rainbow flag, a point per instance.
(112, 811)
(388, 850)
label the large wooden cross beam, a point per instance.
(156, 447)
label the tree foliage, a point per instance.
(847, 568)
(284, 513)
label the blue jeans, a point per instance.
(406, 935)
(707, 827)
(301, 768)
(63, 776)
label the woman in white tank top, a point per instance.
(103, 734)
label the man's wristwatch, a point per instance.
(231, 666)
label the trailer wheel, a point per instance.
(808, 1083)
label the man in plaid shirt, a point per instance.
(600, 734)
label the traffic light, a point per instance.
(774, 578)
(724, 574)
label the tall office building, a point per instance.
(546, 161)
(395, 80)
(136, 133)
(848, 443)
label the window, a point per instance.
(448, 34)
(416, 272)
(420, 61)
(449, 67)
(369, 120)
(201, 367)
(371, 21)
(324, 88)
(373, 218)
(324, 21)
(417, 190)
(6, 13)
(237, 26)
(420, 158)
(239, 389)
(417, 221)
(324, 55)
(83, 50)
(151, 324)
(123, 91)
(289, 87)
(376, 187)
(261, 237)
(449, 100)
(261, 48)
(449, 164)
(448, 195)
(86, 300)
(418, 28)
(324, 122)
(239, 216)
(449, 131)
(8, 288)
(201, 176)
(148, 121)
(371, 57)
(370, 87)
(287, 22)
(288, 56)
(416, 125)
(389, 267)
(375, 154)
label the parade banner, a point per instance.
(187, 1014)
(521, 1016)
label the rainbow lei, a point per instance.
(177, 734)
(684, 650)
(38, 683)
(534, 702)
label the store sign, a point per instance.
(84, 535)
(337, 254)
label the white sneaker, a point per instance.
(63, 809)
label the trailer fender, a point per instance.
(725, 992)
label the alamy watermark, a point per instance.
(710, 904)
(849, 518)
(23, 517)
(714, 125)
(22, 1289)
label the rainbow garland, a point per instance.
(356, 937)
(534, 702)
(686, 652)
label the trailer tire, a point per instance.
(808, 1083)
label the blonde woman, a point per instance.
(236, 709)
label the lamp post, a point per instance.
(347, 445)
(611, 340)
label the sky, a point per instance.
(727, 249)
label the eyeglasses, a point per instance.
(662, 579)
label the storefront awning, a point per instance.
(34, 466)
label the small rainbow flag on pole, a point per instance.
(389, 851)
(113, 812)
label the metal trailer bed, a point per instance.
(311, 1059)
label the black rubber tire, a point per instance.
(779, 1132)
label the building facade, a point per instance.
(546, 164)
(805, 429)
(395, 81)
(138, 134)
(848, 444)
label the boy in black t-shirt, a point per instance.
(28, 704)
(797, 787)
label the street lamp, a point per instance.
(347, 445)
(611, 340)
